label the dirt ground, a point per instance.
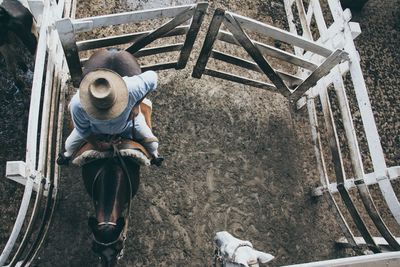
(237, 159)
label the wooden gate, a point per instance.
(321, 61)
(289, 85)
(68, 29)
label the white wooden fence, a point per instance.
(68, 29)
(340, 35)
(321, 63)
(39, 171)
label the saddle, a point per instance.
(127, 147)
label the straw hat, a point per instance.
(103, 94)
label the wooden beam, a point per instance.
(160, 66)
(323, 173)
(67, 37)
(125, 38)
(252, 66)
(255, 54)
(271, 51)
(158, 50)
(281, 35)
(164, 29)
(303, 20)
(198, 17)
(340, 173)
(239, 79)
(208, 43)
(322, 70)
(88, 24)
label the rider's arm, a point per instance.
(79, 118)
(140, 85)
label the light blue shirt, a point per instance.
(138, 87)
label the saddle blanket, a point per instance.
(128, 148)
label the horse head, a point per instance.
(111, 183)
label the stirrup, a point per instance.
(62, 159)
(157, 161)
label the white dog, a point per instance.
(236, 252)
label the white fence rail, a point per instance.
(39, 171)
(340, 35)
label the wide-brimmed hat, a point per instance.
(103, 94)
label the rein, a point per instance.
(123, 235)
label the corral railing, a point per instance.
(340, 35)
(68, 29)
(322, 55)
(320, 63)
(39, 172)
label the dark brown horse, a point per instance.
(16, 24)
(114, 181)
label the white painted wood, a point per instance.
(355, 29)
(271, 51)
(303, 20)
(371, 132)
(88, 24)
(281, 35)
(36, 7)
(292, 26)
(319, 17)
(32, 176)
(388, 259)
(379, 240)
(16, 170)
(369, 179)
(124, 38)
(323, 174)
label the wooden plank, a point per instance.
(340, 173)
(88, 24)
(360, 241)
(208, 43)
(292, 79)
(239, 79)
(160, 66)
(198, 17)
(369, 179)
(164, 29)
(271, 51)
(281, 35)
(67, 37)
(158, 50)
(323, 174)
(233, 25)
(31, 147)
(123, 39)
(371, 132)
(319, 17)
(321, 71)
(303, 20)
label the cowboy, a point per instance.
(103, 106)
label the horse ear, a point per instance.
(92, 222)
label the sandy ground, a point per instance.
(237, 159)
